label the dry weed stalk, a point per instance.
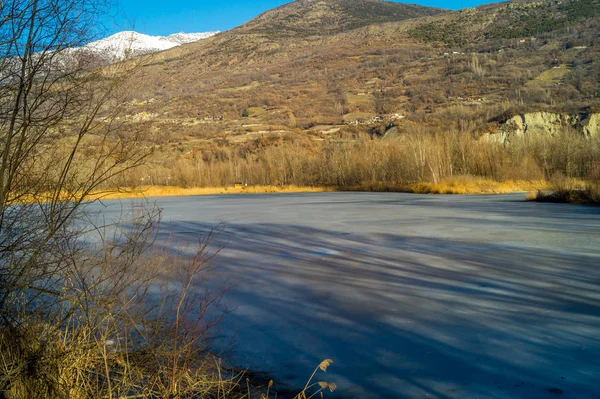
(319, 385)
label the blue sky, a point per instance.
(163, 17)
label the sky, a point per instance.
(163, 17)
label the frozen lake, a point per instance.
(412, 296)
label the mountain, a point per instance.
(310, 17)
(127, 44)
(344, 63)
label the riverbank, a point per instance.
(456, 185)
(588, 195)
(460, 185)
(173, 191)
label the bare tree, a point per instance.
(50, 104)
(74, 316)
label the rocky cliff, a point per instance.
(547, 123)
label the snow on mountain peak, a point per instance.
(126, 44)
(183, 38)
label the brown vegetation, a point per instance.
(569, 191)
(471, 185)
(450, 162)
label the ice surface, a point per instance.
(412, 296)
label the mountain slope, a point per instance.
(513, 20)
(449, 69)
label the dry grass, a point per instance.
(473, 185)
(312, 388)
(550, 76)
(461, 185)
(454, 185)
(172, 191)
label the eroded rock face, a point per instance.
(590, 126)
(547, 123)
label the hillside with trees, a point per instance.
(312, 78)
(493, 53)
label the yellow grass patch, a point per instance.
(459, 185)
(456, 185)
(250, 86)
(255, 111)
(358, 99)
(359, 115)
(171, 191)
(470, 185)
(550, 76)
